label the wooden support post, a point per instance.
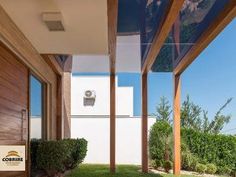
(112, 123)
(60, 113)
(67, 104)
(176, 114)
(144, 124)
(112, 13)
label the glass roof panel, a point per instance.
(128, 16)
(152, 12)
(194, 18)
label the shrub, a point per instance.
(189, 161)
(224, 170)
(157, 163)
(51, 156)
(211, 168)
(201, 168)
(34, 144)
(77, 152)
(159, 141)
(71, 147)
(153, 164)
(233, 172)
(54, 157)
(81, 150)
(168, 166)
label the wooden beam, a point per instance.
(68, 64)
(57, 65)
(223, 19)
(112, 10)
(162, 33)
(112, 123)
(144, 139)
(176, 114)
(51, 61)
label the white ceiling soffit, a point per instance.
(128, 54)
(90, 64)
(85, 23)
(128, 58)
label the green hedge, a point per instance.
(55, 157)
(210, 148)
(199, 150)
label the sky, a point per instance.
(209, 81)
(35, 97)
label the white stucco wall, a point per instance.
(36, 127)
(96, 132)
(93, 123)
(101, 85)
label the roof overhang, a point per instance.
(85, 23)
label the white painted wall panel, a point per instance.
(101, 86)
(96, 131)
(36, 127)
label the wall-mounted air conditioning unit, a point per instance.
(89, 97)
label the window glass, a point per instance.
(36, 110)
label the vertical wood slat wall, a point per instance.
(14, 84)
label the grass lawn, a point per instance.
(103, 171)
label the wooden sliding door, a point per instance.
(14, 103)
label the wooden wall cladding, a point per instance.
(14, 81)
(15, 40)
(13, 96)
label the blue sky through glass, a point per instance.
(35, 96)
(209, 80)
